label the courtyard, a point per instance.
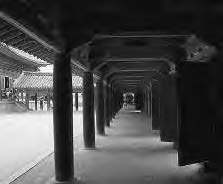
(25, 139)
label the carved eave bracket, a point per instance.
(197, 50)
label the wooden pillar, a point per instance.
(48, 101)
(76, 101)
(149, 101)
(41, 105)
(88, 110)
(22, 96)
(114, 99)
(27, 100)
(36, 101)
(100, 108)
(1, 87)
(63, 118)
(106, 105)
(114, 102)
(110, 104)
(145, 102)
(155, 106)
(168, 108)
(139, 100)
(151, 104)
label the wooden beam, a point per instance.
(104, 36)
(31, 34)
(136, 59)
(10, 38)
(5, 30)
(97, 65)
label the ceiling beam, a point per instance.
(104, 36)
(117, 59)
(127, 82)
(97, 65)
(115, 71)
(132, 74)
(130, 77)
(31, 34)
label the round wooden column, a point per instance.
(41, 105)
(35, 101)
(76, 101)
(88, 110)
(110, 103)
(27, 100)
(146, 101)
(113, 101)
(100, 108)
(63, 119)
(106, 106)
(48, 101)
(22, 96)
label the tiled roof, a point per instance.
(13, 53)
(15, 34)
(42, 81)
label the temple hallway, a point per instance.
(131, 153)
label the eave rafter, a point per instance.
(14, 34)
(7, 29)
(11, 37)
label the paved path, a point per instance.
(25, 139)
(131, 153)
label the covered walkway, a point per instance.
(130, 153)
(168, 54)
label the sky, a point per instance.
(48, 68)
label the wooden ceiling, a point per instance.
(116, 39)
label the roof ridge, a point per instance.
(43, 73)
(37, 73)
(41, 81)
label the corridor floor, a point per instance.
(130, 153)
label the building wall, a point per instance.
(12, 68)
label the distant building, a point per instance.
(11, 66)
(38, 88)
